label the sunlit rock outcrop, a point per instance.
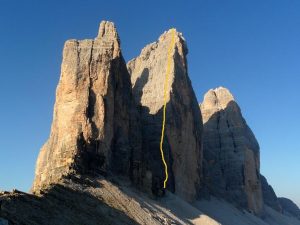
(93, 130)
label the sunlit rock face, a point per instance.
(231, 152)
(93, 129)
(183, 137)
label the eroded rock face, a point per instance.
(231, 152)
(289, 207)
(93, 130)
(269, 195)
(183, 142)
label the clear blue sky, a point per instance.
(250, 47)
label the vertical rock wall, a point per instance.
(92, 129)
(231, 152)
(183, 137)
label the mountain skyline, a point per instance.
(217, 57)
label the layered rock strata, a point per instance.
(93, 129)
(183, 137)
(231, 152)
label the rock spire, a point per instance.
(231, 152)
(93, 129)
(183, 137)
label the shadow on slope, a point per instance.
(60, 205)
(97, 202)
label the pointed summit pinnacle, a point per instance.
(108, 29)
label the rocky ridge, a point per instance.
(289, 207)
(269, 196)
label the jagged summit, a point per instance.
(178, 37)
(107, 29)
(163, 41)
(153, 61)
(219, 97)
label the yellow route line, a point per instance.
(171, 46)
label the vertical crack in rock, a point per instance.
(183, 137)
(234, 175)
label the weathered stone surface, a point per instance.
(289, 207)
(231, 152)
(93, 129)
(269, 195)
(182, 146)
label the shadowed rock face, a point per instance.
(231, 152)
(93, 130)
(269, 195)
(182, 146)
(289, 207)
